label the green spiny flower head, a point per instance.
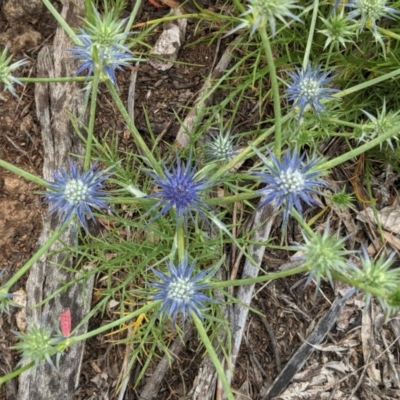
(379, 125)
(37, 345)
(338, 30)
(6, 69)
(262, 13)
(220, 147)
(370, 11)
(379, 276)
(108, 30)
(324, 254)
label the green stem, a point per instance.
(388, 33)
(118, 322)
(60, 20)
(306, 58)
(213, 356)
(302, 223)
(367, 84)
(275, 91)
(52, 80)
(138, 138)
(132, 17)
(359, 150)
(262, 278)
(92, 117)
(180, 238)
(14, 374)
(26, 175)
(43, 249)
(248, 151)
(239, 6)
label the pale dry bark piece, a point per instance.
(169, 43)
(54, 103)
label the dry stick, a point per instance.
(307, 348)
(53, 104)
(152, 387)
(263, 220)
(204, 99)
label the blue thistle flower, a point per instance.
(6, 69)
(179, 190)
(307, 89)
(180, 292)
(370, 11)
(110, 57)
(289, 182)
(74, 193)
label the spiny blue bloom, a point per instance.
(307, 88)
(179, 190)
(289, 182)
(110, 57)
(180, 292)
(370, 11)
(74, 193)
(6, 69)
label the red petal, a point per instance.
(65, 322)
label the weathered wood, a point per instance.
(54, 104)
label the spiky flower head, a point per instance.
(6, 301)
(289, 182)
(220, 147)
(323, 255)
(370, 11)
(106, 58)
(180, 292)
(75, 193)
(378, 275)
(379, 125)
(6, 69)
(37, 345)
(180, 190)
(338, 30)
(308, 88)
(106, 31)
(262, 13)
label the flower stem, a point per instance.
(61, 79)
(306, 58)
(14, 374)
(138, 138)
(248, 151)
(213, 356)
(43, 249)
(92, 116)
(367, 84)
(118, 322)
(262, 278)
(24, 174)
(275, 91)
(132, 17)
(359, 150)
(60, 20)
